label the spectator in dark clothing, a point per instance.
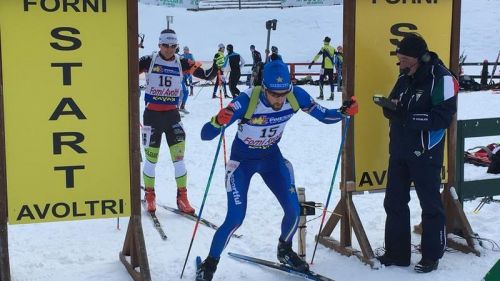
(235, 62)
(255, 56)
(274, 54)
(420, 108)
(257, 65)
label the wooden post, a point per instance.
(345, 212)
(302, 225)
(134, 245)
(4, 244)
(456, 221)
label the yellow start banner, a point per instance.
(380, 26)
(65, 87)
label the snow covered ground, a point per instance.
(88, 250)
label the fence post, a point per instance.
(302, 224)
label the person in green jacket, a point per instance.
(327, 52)
(219, 61)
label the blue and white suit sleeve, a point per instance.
(309, 106)
(210, 130)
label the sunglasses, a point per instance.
(173, 46)
(276, 94)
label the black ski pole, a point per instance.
(204, 198)
(344, 135)
(270, 24)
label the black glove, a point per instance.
(349, 107)
(400, 114)
(310, 65)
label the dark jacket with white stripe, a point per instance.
(427, 103)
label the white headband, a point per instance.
(168, 38)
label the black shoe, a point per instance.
(214, 96)
(320, 97)
(331, 97)
(288, 257)
(226, 96)
(207, 269)
(426, 265)
(387, 260)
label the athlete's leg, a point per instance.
(278, 177)
(176, 139)
(238, 175)
(151, 140)
(330, 79)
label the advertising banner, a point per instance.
(65, 88)
(380, 25)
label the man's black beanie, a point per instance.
(412, 45)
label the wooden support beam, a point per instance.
(4, 244)
(134, 254)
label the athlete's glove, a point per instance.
(310, 65)
(349, 107)
(223, 117)
(194, 66)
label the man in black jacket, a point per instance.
(235, 62)
(420, 108)
(257, 65)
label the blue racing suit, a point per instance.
(255, 150)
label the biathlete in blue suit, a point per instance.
(187, 80)
(263, 114)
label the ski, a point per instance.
(307, 275)
(156, 221)
(194, 217)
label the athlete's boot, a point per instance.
(331, 96)
(150, 199)
(183, 202)
(207, 269)
(288, 257)
(320, 97)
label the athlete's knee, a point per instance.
(234, 220)
(151, 154)
(292, 210)
(177, 151)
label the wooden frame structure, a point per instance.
(345, 212)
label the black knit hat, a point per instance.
(412, 45)
(327, 39)
(229, 47)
